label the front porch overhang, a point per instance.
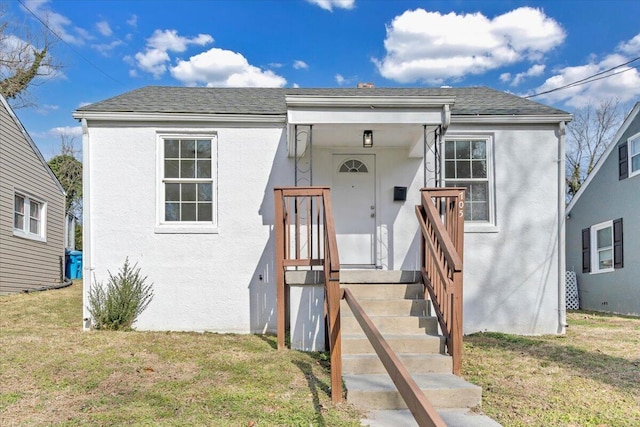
(340, 121)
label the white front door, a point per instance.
(354, 209)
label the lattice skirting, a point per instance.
(571, 287)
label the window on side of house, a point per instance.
(602, 247)
(28, 217)
(466, 164)
(188, 170)
(634, 155)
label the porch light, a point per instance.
(367, 139)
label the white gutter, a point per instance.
(179, 117)
(367, 101)
(87, 254)
(562, 309)
(555, 118)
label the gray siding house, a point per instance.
(603, 226)
(32, 217)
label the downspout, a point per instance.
(87, 254)
(446, 121)
(562, 310)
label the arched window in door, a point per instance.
(353, 166)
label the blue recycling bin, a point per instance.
(73, 264)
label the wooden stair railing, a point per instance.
(420, 407)
(441, 219)
(305, 238)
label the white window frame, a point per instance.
(25, 231)
(185, 227)
(635, 139)
(488, 226)
(595, 264)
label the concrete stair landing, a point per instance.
(394, 302)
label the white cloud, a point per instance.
(432, 47)
(155, 56)
(73, 131)
(153, 61)
(46, 108)
(300, 65)
(220, 67)
(107, 48)
(340, 79)
(534, 71)
(58, 23)
(133, 21)
(330, 4)
(104, 28)
(296, 85)
(622, 83)
(632, 47)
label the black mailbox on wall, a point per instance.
(399, 194)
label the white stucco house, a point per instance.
(181, 181)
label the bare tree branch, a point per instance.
(24, 59)
(588, 136)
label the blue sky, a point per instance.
(524, 47)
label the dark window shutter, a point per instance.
(618, 256)
(586, 250)
(623, 161)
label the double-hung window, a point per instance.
(602, 252)
(602, 247)
(28, 217)
(188, 190)
(466, 164)
(634, 155)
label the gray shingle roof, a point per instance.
(165, 99)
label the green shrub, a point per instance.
(117, 305)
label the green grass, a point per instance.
(588, 377)
(53, 374)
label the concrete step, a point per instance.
(385, 291)
(399, 325)
(377, 391)
(359, 344)
(457, 417)
(399, 307)
(378, 276)
(358, 364)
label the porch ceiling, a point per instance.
(387, 135)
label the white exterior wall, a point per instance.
(212, 281)
(512, 275)
(511, 270)
(201, 281)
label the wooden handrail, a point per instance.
(305, 238)
(444, 240)
(422, 410)
(441, 220)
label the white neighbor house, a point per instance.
(181, 181)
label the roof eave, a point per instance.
(368, 101)
(510, 119)
(179, 117)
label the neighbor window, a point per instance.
(634, 155)
(602, 247)
(188, 188)
(466, 164)
(602, 253)
(28, 217)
